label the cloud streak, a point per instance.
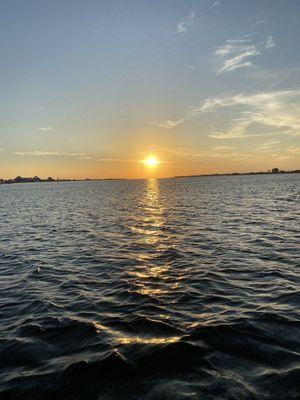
(47, 129)
(267, 146)
(117, 160)
(276, 111)
(183, 25)
(214, 4)
(45, 153)
(168, 124)
(216, 152)
(263, 113)
(238, 53)
(269, 44)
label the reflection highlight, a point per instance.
(152, 276)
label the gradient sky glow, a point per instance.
(90, 88)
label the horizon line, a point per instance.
(273, 171)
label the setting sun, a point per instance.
(151, 161)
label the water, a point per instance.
(159, 289)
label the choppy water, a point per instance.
(160, 289)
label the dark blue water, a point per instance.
(160, 289)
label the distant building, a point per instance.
(19, 179)
(275, 171)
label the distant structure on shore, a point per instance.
(275, 171)
(20, 179)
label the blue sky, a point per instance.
(89, 88)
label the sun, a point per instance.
(151, 161)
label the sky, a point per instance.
(90, 88)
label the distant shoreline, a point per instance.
(35, 179)
(296, 171)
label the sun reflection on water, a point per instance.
(120, 339)
(154, 274)
(151, 217)
(150, 277)
(139, 340)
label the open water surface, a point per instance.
(169, 289)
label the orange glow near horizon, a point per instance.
(151, 161)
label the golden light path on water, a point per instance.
(152, 219)
(148, 277)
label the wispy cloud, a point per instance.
(183, 25)
(45, 153)
(269, 43)
(37, 153)
(178, 151)
(277, 111)
(259, 22)
(293, 149)
(216, 152)
(192, 67)
(214, 4)
(241, 60)
(237, 129)
(47, 129)
(235, 54)
(278, 152)
(257, 114)
(238, 53)
(268, 146)
(221, 148)
(117, 160)
(282, 157)
(168, 124)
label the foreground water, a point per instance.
(158, 289)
